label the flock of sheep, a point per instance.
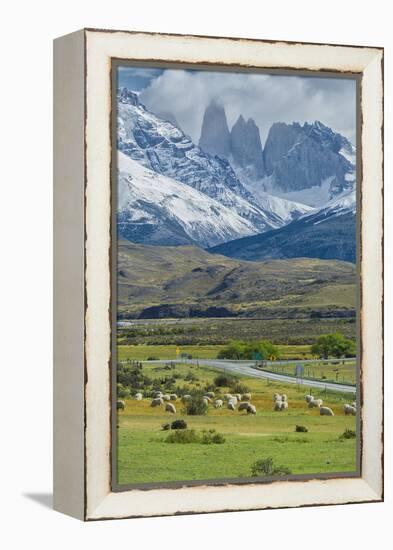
(327, 411)
(241, 401)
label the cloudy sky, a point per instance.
(265, 98)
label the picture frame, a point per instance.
(83, 260)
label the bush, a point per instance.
(239, 388)
(166, 427)
(183, 436)
(223, 380)
(179, 424)
(301, 429)
(196, 407)
(207, 437)
(122, 391)
(152, 358)
(266, 467)
(237, 349)
(211, 436)
(348, 434)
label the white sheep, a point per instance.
(349, 409)
(227, 396)
(315, 403)
(218, 403)
(276, 397)
(354, 404)
(243, 406)
(325, 411)
(210, 394)
(120, 405)
(205, 401)
(284, 397)
(173, 396)
(186, 397)
(277, 405)
(251, 409)
(308, 398)
(238, 396)
(246, 397)
(138, 396)
(156, 402)
(231, 406)
(233, 400)
(208, 399)
(157, 394)
(166, 397)
(170, 407)
(284, 405)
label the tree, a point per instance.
(248, 350)
(333, 345)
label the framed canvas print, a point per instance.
(218, 274)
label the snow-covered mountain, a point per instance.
(156, 209)
(164, 148)
(309, 163)
(328, 233)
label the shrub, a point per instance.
(179, 424)
(122, 391)
(348, 434)
(152, 358)
(223, 380)
(196, 407)
(266, 467)
(211, 436)
(240, 388)
(301, 429)
(183, 436)
(166, 426)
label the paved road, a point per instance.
(248, 368)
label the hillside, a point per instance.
(186, 281)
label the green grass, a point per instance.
(143, 455)
(343, 373)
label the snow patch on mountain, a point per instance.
(148, 198)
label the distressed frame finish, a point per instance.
(82, 472)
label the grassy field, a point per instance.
(144, 456)
(143, 352)
(335, 371)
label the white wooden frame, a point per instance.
(82, 393)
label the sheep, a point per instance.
(277, 405)
(276, 397)
(120, 405)
(354, 404)
(349, 409)
(138, 396)
(156, 402)
(210, 394)
(157, 394)
(246, 397)
(238, 396)
(218, 403)
(233, 400)
(186, 397)
(170, 407)
(284, 405)
(251, 409)
(325, 411)
(173, 396)
(166, 397)
(208, 399)
(227, 396)
(284, 397)
(231, 406)
(308, 398)
(315, 403)
(205, 401)
(243, 406)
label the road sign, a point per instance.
(299, 370)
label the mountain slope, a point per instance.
(165, 149)
(187, 281)
(329, 233)
(159, 210)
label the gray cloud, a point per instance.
(265, 98)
